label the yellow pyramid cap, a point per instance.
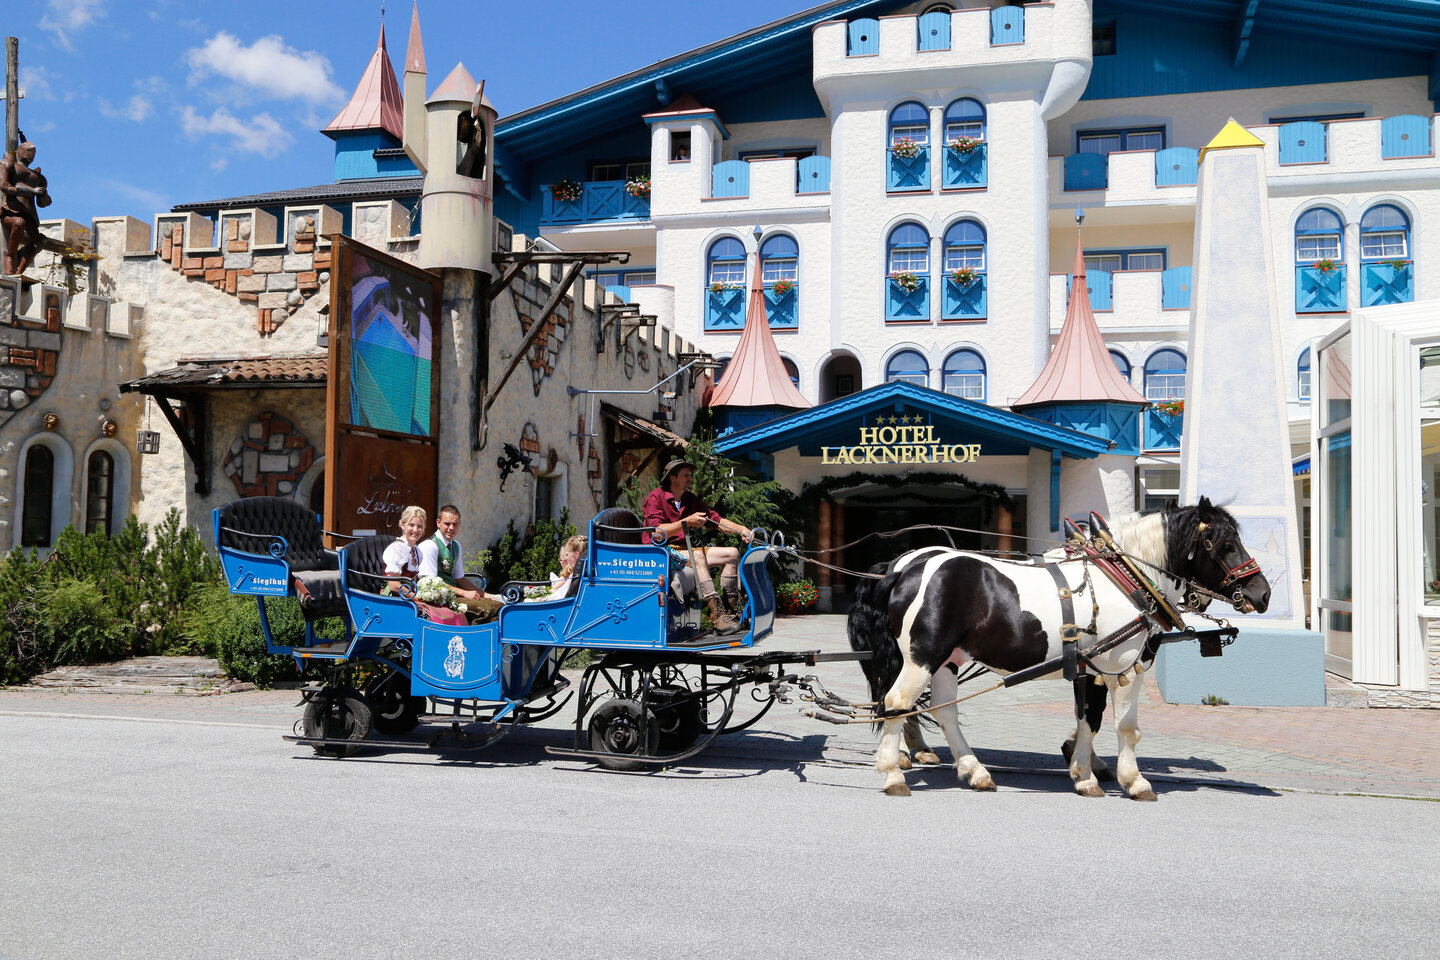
(1231, 135)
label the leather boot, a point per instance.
(734, 603)
(721, 623)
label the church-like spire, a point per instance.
(415, 52)
(376, 103)
(1080, 368)
(756, 375)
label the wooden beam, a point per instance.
(572, 273)
(1244, 26)
(511, 271)
(192, 443)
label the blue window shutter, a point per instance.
(1302, 142)
(1404, 136)
(864, 38)
(1007, 25)
(730, 178)
(814, 173)
(1176, 166)
(1085, 171)
(935, 30)
(1175, 288)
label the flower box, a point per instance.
(638, 186)
(566, 191)
(1324, 265)
(782, 287)
(906, 148)
(909, 282)
(964, 144)
(965, 276)
(1171, 408)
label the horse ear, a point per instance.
(1205, 504)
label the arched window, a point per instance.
(1384, 234)
(1319, 235)
(779, 259)
(909, 250)
(965, 247)
(1165, 375)
(726, 262)
(964, 375)
(1121, 364)
(36, 510)
(964, 118)
(791, 370)
(910, 120)
(910, 366)
(1302, 375)
(99, 487)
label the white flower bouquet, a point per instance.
(434, 591)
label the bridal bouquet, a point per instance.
(434, 591)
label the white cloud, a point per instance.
(261, 134)
(35, 81)
(148, 200)
(151, 85)
(267, 66)
(219, 163)
(138, 109)
(64, 17)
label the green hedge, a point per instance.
(231, 626)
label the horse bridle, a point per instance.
(1233, 575)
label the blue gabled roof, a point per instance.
(1000, 432)
(713, 72)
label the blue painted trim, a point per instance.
(1162, 430)
(1317, 292)
(1175, 288)
(813, 174)
(1087, 171)
(902, 305)
(1177, 166)
(792, 430)
(1244, 24)
(965, 303)
(1405, 135)
(1054, 491)
(966, 170)
(1381, 285)
(1007, 25)
(1117, 423)
(908, 174)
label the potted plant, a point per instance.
(1324, 265)
(798, 596)
(1397, 264)
(1171, 408)
(965, 144)
(781, 287)
(905, 148)
(965, 276)
(566, 191)
(718, 287)
(638, 186)
(907, 281)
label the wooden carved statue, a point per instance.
(22, 190)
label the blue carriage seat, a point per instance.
(372, 610)
(252, 525)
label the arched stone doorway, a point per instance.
(839, 377)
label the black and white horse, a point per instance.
(940, 608)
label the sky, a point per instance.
(137, 105)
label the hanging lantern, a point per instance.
(147, 440)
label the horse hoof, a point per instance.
(1093, 790)
(1147, 796)
(905, 763)
(897, 790)
(983, 785)
(925, 756)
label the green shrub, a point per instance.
(531, 557)
(797, 596)
(230, 625)
(79, 625)
(22, 653)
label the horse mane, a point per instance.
(1182, 527)
(1145, 537)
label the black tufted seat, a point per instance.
(617, 517)
(244, 526)
(367, 557)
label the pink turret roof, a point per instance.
(756, 375)
(376, 103)
(415, 52)
(1080, 368)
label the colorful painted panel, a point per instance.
(390, 349)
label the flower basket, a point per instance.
(796, 597)
(566, 191)
(905, 148)
(434, 591)
(1324, 265)
(1396, 264)
(1171, 408)
(909, 282)
(965, 144)
(718, 287)
(638, 186)
(965, 276)
(781, 287)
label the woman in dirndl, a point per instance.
(402, 559)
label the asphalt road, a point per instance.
(124, 839)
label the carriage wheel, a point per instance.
(680, 715)
(338, 715)
(622, 728)
(396, 712)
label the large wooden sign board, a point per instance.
(382, 397)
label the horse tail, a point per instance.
(868, 626)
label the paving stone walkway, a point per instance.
(1014, 731)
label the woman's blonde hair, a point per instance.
(411, 511)
(575, 545)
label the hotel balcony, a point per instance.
(849, 55)
(599, 201)
(1161, 431)
(725, 309)
(762, 185)
(1144, 299)
(1132, 177)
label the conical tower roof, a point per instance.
(1080, 369)
(415, 52)
(376, 103)
(756, 375)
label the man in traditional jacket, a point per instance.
(441, 556)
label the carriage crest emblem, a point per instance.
(455, 662)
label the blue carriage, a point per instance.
(659, 687)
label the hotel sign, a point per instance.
(900, 444)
